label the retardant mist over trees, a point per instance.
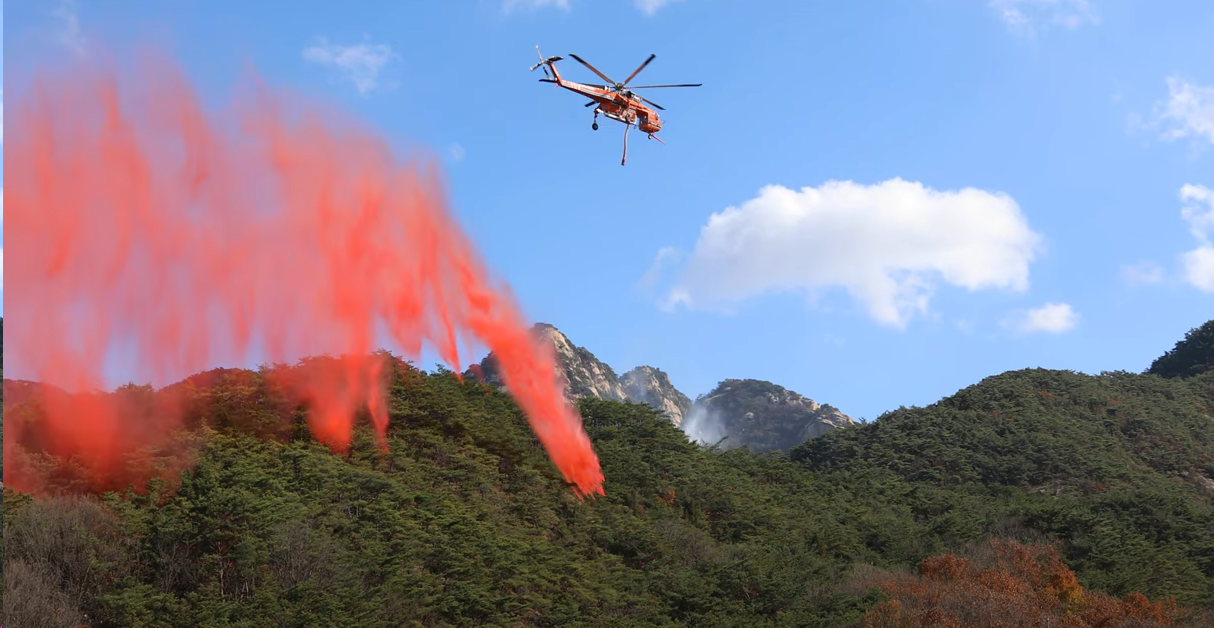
(361, 491)
(1033, 498)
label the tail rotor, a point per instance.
(545, 63)
(541, 64)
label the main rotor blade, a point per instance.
(592, 68)
(638, 70)
(548, 80)
(679, 85)
(652, 103)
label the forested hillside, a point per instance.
(463, 521)
(1118, 467)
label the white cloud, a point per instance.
(1201, 220)
(510, 5)
(650, 7)
(1199, 263)
(885, 244)
(1053, 318)
(70, 35)
(1145, 271)
(1022, 16)
(1189, 109)
(1199, 267)
(358, 63)
(457, 152)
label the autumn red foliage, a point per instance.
(1008, 585)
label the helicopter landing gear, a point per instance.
(594, 126)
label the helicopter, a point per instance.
(615, 100)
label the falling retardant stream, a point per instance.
(144, 227)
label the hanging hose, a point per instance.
(626, 127)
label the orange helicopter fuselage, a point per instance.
(631, 112)
(615, 106)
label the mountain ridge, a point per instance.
(757, 414)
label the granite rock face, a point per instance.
(646, 384)
(584, 375)
(761, 415)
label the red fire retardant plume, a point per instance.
(139, 222)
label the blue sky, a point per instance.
(872, 203)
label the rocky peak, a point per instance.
(584, 374)
(761, 415)
(587, 376)
(646, 384)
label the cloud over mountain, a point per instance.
(887, 245)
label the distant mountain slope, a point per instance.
(1191, 356)
(759, 414)
(1038, 427)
